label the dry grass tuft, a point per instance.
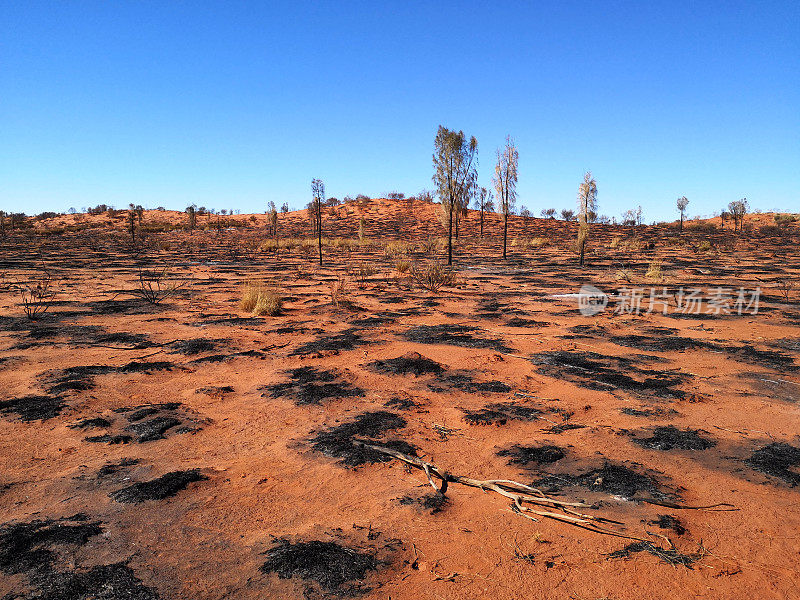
(339, 291)
(261, 299)
(654, 271)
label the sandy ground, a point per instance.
(683, 410)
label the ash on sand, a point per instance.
(454, 335)
(337, 442)
(670, 556)
(33, 548)
(669, 522)
(34, 408)
(670, 438)
(465, 383)
(309, 385)
(540, 455)
(435, 502)
(611, 479)
(500, 413)
(778, 459)
(334, 343)
(412, 363)
(595, 371)
(333, 567)
(158, 489)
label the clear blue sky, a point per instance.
(232, 104)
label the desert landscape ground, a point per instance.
(161, 439)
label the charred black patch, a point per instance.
(309, 385)
(226, 357)
(560, 428)
(91, 423)
(411, 363)
(112, 582)
(33, 408)
(157, 489)
(671, 438)
(143, 367)
(233, 321)
(401, 403)
(771, 359)
(501, 413)
(453, 335)
(775, 388)
(465, 383)
(368, 427)
(522, 322)
(32, 549)
(74, 379)
(109, 469)
(29, 546)
(334, 343)
(659, 343)
(595, 371)
(669, 522)
(331, 566)
(374, 321)
(588, 330)
(792, 344)
(216, 390)
(540, 455)
(670, 556)
(611, 479)
(108, 438)
(777, 459)
(115, 307)
(154, 429)
(434, 502)
(166, 416)
(649, 412)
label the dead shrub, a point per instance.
(432, 277)
(38, 295)
(157, 285)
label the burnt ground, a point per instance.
(332, 566)
(309, 385)
(779, 460)
(610, 479)
(165, 486)
(672, 438)
(106, 394)
(595, 371)
(370, 427)
(32, 549)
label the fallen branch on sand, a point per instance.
(522, 495)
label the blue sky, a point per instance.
(232, 104)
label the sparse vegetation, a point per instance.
(156, 285)
(455, 162)
(505, 182)
(37, 294)
(339, 291)
(587, 206)
(261, 299)
(432, 276)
